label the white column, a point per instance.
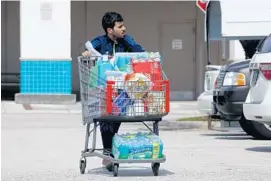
(236, 51)
(45, 47)
(45, 29)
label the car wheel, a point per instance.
(246, 125)
(263, 129)
(255, 129)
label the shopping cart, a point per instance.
(105, 101)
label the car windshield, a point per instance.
(249, 47)
(265, 46)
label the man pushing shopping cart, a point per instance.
(115, 89)
(114, 40)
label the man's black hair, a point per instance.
(109, 20)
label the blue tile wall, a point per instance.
(46, 77)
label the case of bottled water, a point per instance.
(137, 146)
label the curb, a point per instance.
(183, 125)
(177, 125)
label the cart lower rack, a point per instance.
(121, 101)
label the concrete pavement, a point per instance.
(46, 147)
(178, 109)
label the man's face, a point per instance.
(119, 30)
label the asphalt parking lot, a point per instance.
(46, 147)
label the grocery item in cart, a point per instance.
(136, 55)
(93, 76)
(157, 145)
(137, 146)
(122, 101)
(116, 76)
(123, 60)
(104, 65)
(156, 102)
(123, 63)
(150, 68)
(137, 85)
(139, 108)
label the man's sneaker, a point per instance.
(108, 165)
(106, 162)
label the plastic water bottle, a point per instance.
(125, 142)
(130, 149)
(159, 142)
(142, 154)
(103, 66)
(149, 149)
(115, 146)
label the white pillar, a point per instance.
(45, 47)
(236, 51)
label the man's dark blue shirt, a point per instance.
(105, 45)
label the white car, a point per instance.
(257, 106)
(205, 99)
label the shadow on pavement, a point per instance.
(235, 138)
(230, 136)
(242, 134)
(264, 149)
(130, 171)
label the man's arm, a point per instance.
(96, 43)
(132, 45)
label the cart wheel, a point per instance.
(115, 170)
(155, 168)
(83, 165)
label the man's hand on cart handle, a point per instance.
(86, 53)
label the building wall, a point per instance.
(148, 29)
(10, 33)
